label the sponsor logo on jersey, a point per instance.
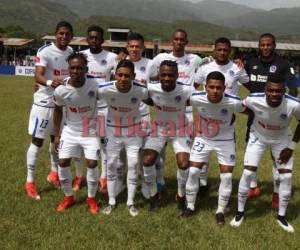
(56, 72)
(224, 111)
(178, 98)
(254, 67)
(231, 73)
(74, 110)
(134, 100)
(273, 69)
(258, 78)
(91, 94)
(37, 59)
(283, 116)
(187, 62)
(143, 69)
(103, 62)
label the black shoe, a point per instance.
(237, 219)
(181, 202)
(284, 224)
(220, 219)
(154, 203)
(187, 213)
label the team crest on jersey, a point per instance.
(254, 67)
(157, 97)
(224, 111)
(55, 58)
(91, 93)
(232, 157)
(113, 99)
(143, 69)
(178, 98)
(187, 62)
(103, 62)
(134, 100)
(231, 73)
(283, 116)
(273, 69)
(259, 112)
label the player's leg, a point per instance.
(53, 175)
(159, 166)
(121, 166)
(275, 196)
(103, 155)
(79, 177)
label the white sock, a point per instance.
(65, 179)
(285, 188)
(244, 187)
(103, 161)
(92, 176)
(225, 189)
(276, 180)
(192, 187)
(111, 180)
(253, 183)
(132, 177)
(182, 176)
(78, 166)
(53, 158)
(204, 175)
(150, 179)
(32, 154)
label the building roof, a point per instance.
(15, 41)
(254, 45)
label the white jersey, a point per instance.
(188, 64)
(170, 106)
(272, 123)
(123, 108)
(80, 105)
(216, 118)
(142, 70)
(232, 73)
(54, 60)
(100, 68)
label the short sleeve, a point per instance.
(57, 97)
(200, 76)
(243, 76)
(41, 59)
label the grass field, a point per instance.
(28, 224)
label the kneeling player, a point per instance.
(273, 111)
(79, 97)
(216, 110)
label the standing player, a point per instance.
(79, 98)
(273, 111)
(51, 69)
(170, 99)
(259, 69)
(216, 110)
(123, 97)
(100, 65)
(233, 76)
(187, 67)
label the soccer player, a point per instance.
(123, 97)
(233, 76)
(79, 97)
(100, 65)
(259, 69)
(170, 99)
(216, 110)
(51, 69)
(187, 67)
(273, 111)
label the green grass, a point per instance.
(28, 224)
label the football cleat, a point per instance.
(31, 191)
(220, 219)
(67, 202)
(154, 203)
(53, 179)
(275, 201)
(187, 213)
(93, 206)
(108, 210)
(181, 202)
(254, 192)
(77, 182)
(132, 210)
(284, 224)
(237, 219)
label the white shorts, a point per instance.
(180, 143)
(256, 147)
(71, 145)
(202, 148)
(41, 122)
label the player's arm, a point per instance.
(149, 101)
(287, 152)
(57, 118)
(40, 78)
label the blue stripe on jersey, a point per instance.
(257, 95)
(155, 82)
(181, 83)
(292, 98)
(232, 96)
(199, 93)
(45, 46)
(35, 126)
(105, 85)
(139, 85)
(93, 77)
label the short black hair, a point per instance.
(135, 36)
(95, 28)
(223, 40)
(64, 24)
(215, 75)
(126, 64)
(169, 63)
(180, 31)
(77, 55)
(276, 78)
(268, 35)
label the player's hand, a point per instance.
(285, 156)
(56, 83)
(56, 143)
(239, 63)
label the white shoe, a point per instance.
(285, 225)
(145, 191)
(237, 220)
(133, 211)
(108, 209)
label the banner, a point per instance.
(25, 71)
